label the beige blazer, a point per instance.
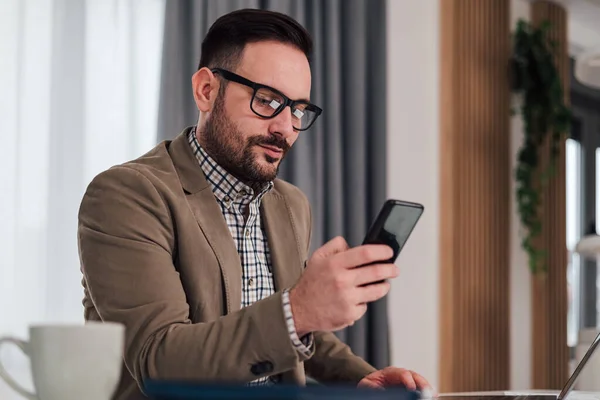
(157, 256)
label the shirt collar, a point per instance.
(225, 186)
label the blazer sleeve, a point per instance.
(126, 243)
(333, 360)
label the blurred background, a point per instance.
(417, 98)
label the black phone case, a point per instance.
(377, 235)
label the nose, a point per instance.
(282, 124)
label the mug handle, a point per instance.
(23, 345)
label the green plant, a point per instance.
(546, 118)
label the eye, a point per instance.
(262, 100)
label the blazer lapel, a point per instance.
(210, 219)
(282, 239)
(213, 225)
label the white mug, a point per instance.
(71, 362)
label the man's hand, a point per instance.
(392, 376)
(332, 293)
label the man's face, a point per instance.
(248, 146)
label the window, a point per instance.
(598, 189)
(583, 211)
(574, 186)
(597, 230)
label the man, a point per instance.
(202, 253)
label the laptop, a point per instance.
(566, 390)
(172, 390)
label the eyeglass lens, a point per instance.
(266, 103)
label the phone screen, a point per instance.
(394, 224)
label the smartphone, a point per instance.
(394, 224)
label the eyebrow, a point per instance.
(305, 100)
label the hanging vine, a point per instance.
(546, 118)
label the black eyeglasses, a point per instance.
(267, 102)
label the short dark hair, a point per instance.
(226, 39)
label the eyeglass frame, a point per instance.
(233, 77)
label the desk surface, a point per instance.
(574, 395)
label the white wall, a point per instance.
(413, 169)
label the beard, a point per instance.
(233, 150)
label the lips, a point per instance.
(272, 151)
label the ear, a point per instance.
(206, 88)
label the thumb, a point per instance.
(336, 245)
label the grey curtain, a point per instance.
(340, 163)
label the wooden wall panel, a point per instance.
(550, 354)
(475, 197)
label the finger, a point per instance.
(402, 377)
(336, 245)
(370, 385)
(373, 292)
(421, 382)
(363, 255)
(374, 273)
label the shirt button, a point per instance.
(248, 233)
(250, 282)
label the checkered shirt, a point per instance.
(233, 196)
